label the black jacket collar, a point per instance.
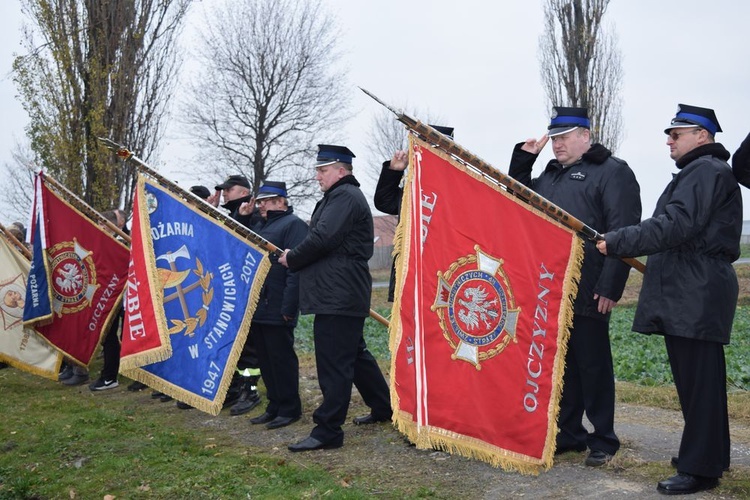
(347, 179)
(597, 154)
(233, 205)
(712, 149)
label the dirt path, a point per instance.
(649, 436)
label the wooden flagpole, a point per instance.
(521, 190)
(14, 241)
(85, 207)
(209, 209)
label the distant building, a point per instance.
(745, 238)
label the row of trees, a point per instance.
(268, 85)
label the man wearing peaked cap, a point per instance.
(275, 318)
(585, 180)
(335, 285)
(690, 290)
(389, 191)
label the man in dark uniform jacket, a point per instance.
(276, 314)
(335, 285)
(689, 291)
(389, 191)
(601, 191)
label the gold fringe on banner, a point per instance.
(133, 370)
(427, 437)
(96, 219)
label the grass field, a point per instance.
(58, 442)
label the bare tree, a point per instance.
(581, 65)
(269, 88)
(97, 68)
(17, 195)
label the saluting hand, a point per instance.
(214, 198)
(247, 207)
(399, 161)
(535, 146)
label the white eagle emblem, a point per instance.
(477, 308)
(71, 280)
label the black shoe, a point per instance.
(76, 379)
(183, 406)
(237, 387)
(102, 385)
(156, 395)
(685, 484)
(564, 449)
(65, 373)
(310, 443)
(281, 422)
(136, 386)
(247, 402)
(4, 366)
(597, 458)
(370, 419)
(263, 418)
(165, 398)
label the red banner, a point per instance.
(84, 267)
(142, 340)
(484, 302)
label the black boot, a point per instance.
(249, 397)
(234, 390)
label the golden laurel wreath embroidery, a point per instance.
(193, 322)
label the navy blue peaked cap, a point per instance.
(566, 119)
(329, 154)
(694, 116)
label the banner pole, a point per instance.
(84, 207)
(127, 155)
(14, 241)
(521, 190)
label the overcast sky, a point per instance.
(474, 64)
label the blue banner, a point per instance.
(206, 280)
(38, 304)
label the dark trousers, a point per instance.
(588, 386)
(699, 372)
(111, 349)
(279, 368)
(342, 359)
(249, 355)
